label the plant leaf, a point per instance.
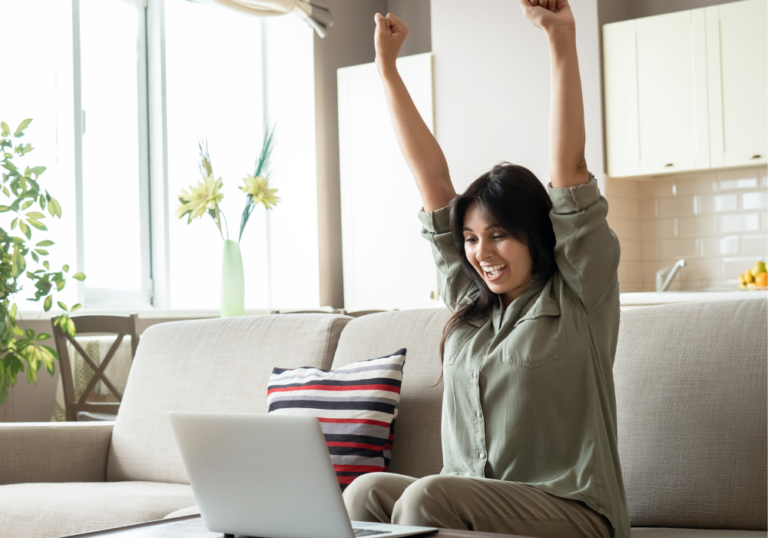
(23, 125)
(48, 302)
(35, 215)
(43, 336)
(65, 268)
(25, 229)
(62, 306)
(5, 132)
(76, 307)
(46, 243)
(79, 276)
(71, 328)
(37, 224)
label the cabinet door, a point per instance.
(620, 86)
(672, 92)
(656, 94)
(738, 80)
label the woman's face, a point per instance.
(501, 260)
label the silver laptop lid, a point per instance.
(262, 475)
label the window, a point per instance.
(132, 90)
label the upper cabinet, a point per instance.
(737, 54)
(686, 91)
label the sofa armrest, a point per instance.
(54, 451)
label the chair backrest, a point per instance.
(691, 399)
(417, 449)
(213, 365)
(121, 326)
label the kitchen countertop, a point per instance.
(667, 297)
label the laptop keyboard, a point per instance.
(368, 532)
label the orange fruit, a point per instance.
(762, 280)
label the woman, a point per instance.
(529, 413)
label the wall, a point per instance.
(492, 87)
(349, 42)
(716, 220)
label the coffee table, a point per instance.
(192, 527)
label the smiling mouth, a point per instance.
(493, 272)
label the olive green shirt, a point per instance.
(529, 394)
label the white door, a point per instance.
(387, 264)
(672, 92)
(738, 79)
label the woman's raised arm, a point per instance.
(568, 166)
(418, 145)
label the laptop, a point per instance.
(269, 476)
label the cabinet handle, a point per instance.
(756, 156)
(431, 294)
(668, 165)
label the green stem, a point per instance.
(218, 220)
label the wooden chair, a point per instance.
(81, 409)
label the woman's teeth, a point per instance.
(492, 270)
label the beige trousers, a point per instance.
(476, 504)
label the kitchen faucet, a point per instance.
(661, 283)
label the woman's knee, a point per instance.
(426, 503)
(371, 497)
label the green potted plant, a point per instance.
(21, 350)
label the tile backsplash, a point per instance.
(716, 221)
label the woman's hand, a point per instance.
(390, 35)
(548, 14)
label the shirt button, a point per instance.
(474, 375)
(479, 415)
(481, 456)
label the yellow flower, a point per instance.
(199, 199)
(258, 189)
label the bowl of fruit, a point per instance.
(754, 279)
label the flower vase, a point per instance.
(232, 282)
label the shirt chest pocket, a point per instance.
(534, 340)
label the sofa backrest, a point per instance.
(416, 450)
(691, 398)
(217, 365)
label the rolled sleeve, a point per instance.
(574, 199)
(455, 285)
(587, 251)
(437, 221)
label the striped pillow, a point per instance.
(355, 404)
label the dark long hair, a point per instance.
(512, 198)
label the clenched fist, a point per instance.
(548, 14)
(389, 37)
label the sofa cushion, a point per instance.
(216, 365)
(43, 510)
(417, 451)
(691, 398)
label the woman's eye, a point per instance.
(469, 239)
(498, 236)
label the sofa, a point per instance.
(690, 388)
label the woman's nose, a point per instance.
(484, 250)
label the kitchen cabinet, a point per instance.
(687, 90)
(737, 55)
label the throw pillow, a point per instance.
(356, 406)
